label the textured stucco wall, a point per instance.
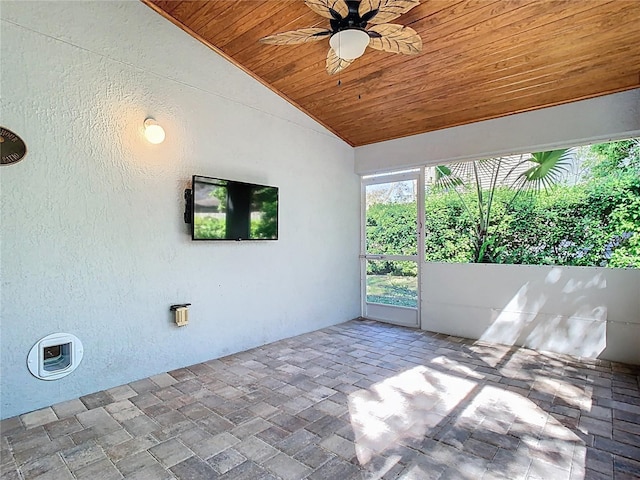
(586, 311)
(93, 241)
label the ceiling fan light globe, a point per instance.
(349, 44)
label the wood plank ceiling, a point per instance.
(481, 59)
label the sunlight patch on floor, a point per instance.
(423, 401)
(406, 406)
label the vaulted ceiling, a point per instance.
(481, 59)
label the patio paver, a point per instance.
(360, 400)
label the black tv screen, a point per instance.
(229, 210)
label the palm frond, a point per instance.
(446, 179)
(545, 169)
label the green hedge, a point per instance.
(593, 223)
(596, 224)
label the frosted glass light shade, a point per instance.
(349, 44)
(153, 132)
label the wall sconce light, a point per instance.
(153, 132)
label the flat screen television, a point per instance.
(220, 209)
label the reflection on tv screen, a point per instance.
(229, 210)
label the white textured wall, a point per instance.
(586, 311)
(93, 241)
(610, 117)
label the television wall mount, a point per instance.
(188, 205)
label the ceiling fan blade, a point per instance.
(387, 9)
(324, 7)
(293, 37)
(394, 38)
(336, 64)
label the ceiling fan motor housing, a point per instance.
(353, 20)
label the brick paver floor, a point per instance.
(357, 400)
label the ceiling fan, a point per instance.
(348, 36)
